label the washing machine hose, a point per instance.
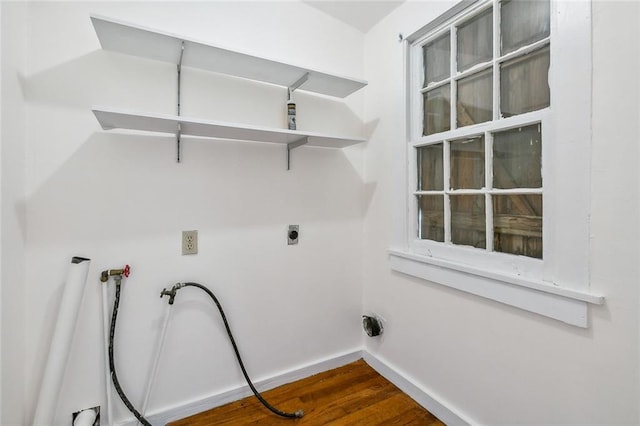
(171, 293)
(112, 364)
(298, 414)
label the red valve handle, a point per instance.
(126, 271)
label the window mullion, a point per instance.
(416, 193)
(446, 143)
(488, 135)
(414, 131)
(488, 173)
(496, 64)
(418, 102)
(446, 166)
(488, 184)
(454, 85)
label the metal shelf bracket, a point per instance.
(179, 130)
(293, 145)
(304, 140)
(297, 84)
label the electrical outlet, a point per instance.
(189, 242)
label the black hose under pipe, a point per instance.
(112, 365)
(114, 376)
(298, 414)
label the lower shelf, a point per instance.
(117, 119)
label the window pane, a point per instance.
(437, 114)
(517, 224)
(431, 217)
(467, 163)
(430, 171)
(524, 83)
(523, 22)
(468, 220)
(437, 59)
(475, 41)
(517, 158)
(475, 99)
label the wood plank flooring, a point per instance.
(354, 394)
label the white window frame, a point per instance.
(558, 285)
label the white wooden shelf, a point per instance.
(143, 42)
(119, 119)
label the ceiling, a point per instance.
(361, 15)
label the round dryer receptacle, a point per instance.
(372, 326)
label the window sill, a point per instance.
(559, 303)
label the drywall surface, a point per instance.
(12, 155)
(0, 210)
(119, 198)
(490, 363)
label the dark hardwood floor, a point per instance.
(354, 394)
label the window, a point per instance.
(483, 188)
(494, 194)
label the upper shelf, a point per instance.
(146, 43)
(119, 119)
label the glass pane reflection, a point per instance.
(523, 23)
(430, 170)
(475, 41)
(468, 223)
(475, 99)
(437, 110)
(437, 59)
(524, 83)
(467, 163)
(517, 224)
(431, 217)
(517, 158)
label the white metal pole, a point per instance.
(86, 417)
(105, 332)
(156, 361)
(61, 342)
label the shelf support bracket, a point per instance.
(297, 84)
(179, 132)
(293, 145)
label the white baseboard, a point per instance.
(164, 416)
(427, 399)
(423, 397)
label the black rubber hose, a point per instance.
(298, 414)
(112, 366)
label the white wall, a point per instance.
(491, 363)
(12, 224)
(121, 198)
(0, 211)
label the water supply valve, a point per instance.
(104, 275)
(171, 293)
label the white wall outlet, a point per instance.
(189, 242)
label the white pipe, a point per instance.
(156, 361)
(86, 417)
(61, 342)
(105, 333)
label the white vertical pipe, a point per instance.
(86, 417)
(61, 342)
(156, 362)
(105, 332)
